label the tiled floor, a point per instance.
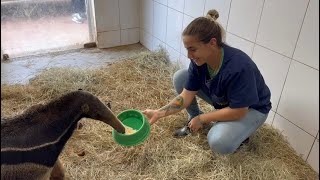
(20, 70)
(24, 37)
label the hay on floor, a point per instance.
(140, 82)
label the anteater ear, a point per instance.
(85, 108)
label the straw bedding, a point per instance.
(139, 82)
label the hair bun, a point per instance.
(213, 14)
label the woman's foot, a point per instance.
(182, 132)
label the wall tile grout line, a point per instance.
(255, 44)
(130, 28)
(305, 65)
(255, 39)
(228, 16)
(305, 13)
(175, 9)
(170, 7)
(312, 146)
(204, 8)
(311, 149)
(284, 83)
(180, 52)
(160, 3)
(295, 125)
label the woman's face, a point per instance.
(198, 51)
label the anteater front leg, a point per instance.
(57, 172)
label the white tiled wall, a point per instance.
(194, 8)
(280, 24)
(307, 50)
(160, 28)
(300, 97)
(299, 140)
(242, 21)
(186, 20)
(270, 117)
(238, 42)
(176, 4)
(174, 29)
(314, 154)
(281, 36)
(222, 7)
(274, 76)
(117, 22)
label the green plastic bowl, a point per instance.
(136, 120)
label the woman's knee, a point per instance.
(221, 144)
(179, 79)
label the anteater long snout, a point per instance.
(113, 121)
(117, 125)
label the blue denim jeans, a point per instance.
(223, 137)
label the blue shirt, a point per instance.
(238, 84)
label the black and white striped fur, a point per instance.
(32, 141)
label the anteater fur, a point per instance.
(32, 141)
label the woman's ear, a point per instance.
(213, 41)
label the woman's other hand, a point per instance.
(195, 124)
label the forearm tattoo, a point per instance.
(175, 105)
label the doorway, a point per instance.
(31, 27)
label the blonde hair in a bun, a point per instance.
(212, 14)
(206, 28)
